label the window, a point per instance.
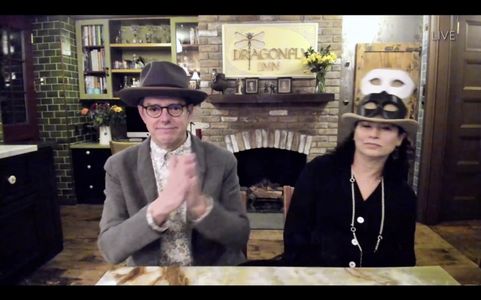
(16, 80)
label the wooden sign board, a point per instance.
(403, 56)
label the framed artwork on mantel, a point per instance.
(284, 85)
(252, 85)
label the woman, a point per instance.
(353, 207)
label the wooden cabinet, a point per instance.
(112, 52)
(30, 226)
(89, 174)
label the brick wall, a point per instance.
(318, 121)
(56, 83)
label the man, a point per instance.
(172, 200)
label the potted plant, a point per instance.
(318, 62)
(103, 116)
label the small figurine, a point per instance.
(266, 88)
(138, 61)
(118, 38)
(219, 83)
(273, 88)
(238, 84)
(135, 30)
(192, 36)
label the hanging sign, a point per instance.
(267, 50)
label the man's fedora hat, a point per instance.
(162, 78)
(384, 101)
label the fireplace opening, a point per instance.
(262, 174)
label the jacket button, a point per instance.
(360, 220)
(354, 242)
(352, 264)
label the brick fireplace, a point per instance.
(304, 123)
(272, 136)
(263, 173)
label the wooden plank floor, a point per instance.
(80, 263)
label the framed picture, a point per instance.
(252, 85)
(284, 85)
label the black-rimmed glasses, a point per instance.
(154, 111)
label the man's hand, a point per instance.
(181, 170)
(196, 202)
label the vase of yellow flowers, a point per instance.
(318, 62)
(102, 116)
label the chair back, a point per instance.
(287, 194)
(117, 146)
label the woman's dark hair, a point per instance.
(397, 164)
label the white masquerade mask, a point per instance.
(393, 81)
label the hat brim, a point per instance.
(132, 96)
(409, 125)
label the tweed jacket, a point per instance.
(130, 187)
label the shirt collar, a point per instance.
(160, 152)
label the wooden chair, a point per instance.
(116, 146)
(287, 194)
(244, 203)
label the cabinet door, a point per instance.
(186, 44)
(14, 177)
(47, 211)
(93, 48)
(20, 238)
(89, 174)
(17, 97)
(30, 227)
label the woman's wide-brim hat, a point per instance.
(162, 78)
(409, 125)
(384, 101)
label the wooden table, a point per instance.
(432, 275)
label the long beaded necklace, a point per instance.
(353, 227)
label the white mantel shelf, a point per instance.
(270, 98)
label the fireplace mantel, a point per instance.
(271, 98)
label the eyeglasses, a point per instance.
(155, 111)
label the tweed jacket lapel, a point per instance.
(198, 149)
(145, 171)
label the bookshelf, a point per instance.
(112, 52)
(93, 59)
(186, 45)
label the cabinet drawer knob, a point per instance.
(91, 186)
(12, 179)
(89, 166)
(87, 152)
